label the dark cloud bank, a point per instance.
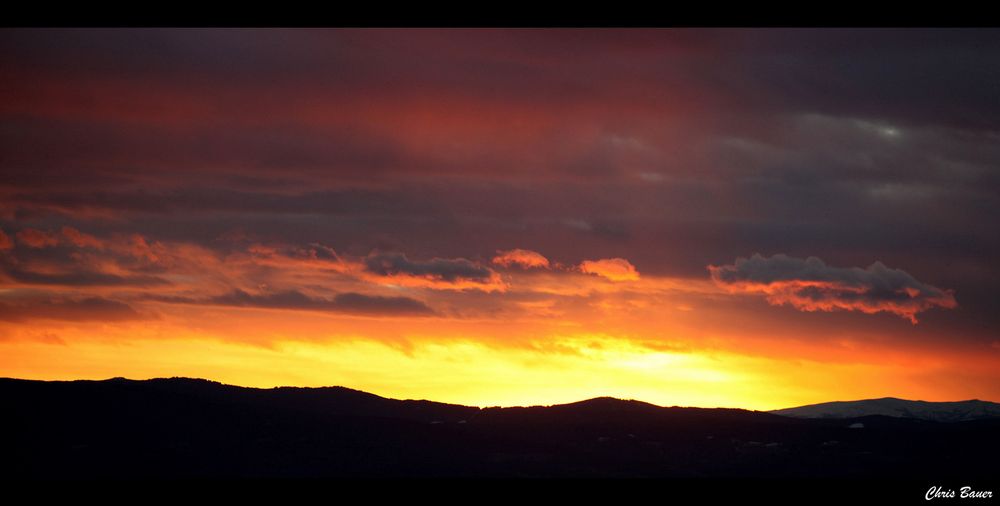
(810, 284)
(671, 148)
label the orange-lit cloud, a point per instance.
(615, 269)
(522, 258)
(34, 238)
(811, 285)
(81, 240)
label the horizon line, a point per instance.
(484, 406)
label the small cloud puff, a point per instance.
(522, 258)
(615, 269)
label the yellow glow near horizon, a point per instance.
(567, 369)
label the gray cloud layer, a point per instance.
(450, 270)
(671, 148)
(65, 308)
(347, 302)
(810, 284)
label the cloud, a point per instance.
(347, 302)
(292, 258)
(34, 238)
(615, 269)
(373, 304)
(441, 272)
(70, 259)
(68, 309)
(142, 250)
(521, 258)
(81, 278)
(811, 285)
(496, 152)
(80, 239)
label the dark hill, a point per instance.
(889, 406)
(184, 428)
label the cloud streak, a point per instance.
(66, 309)
(459, 273)
(347, 302)
(812, 285)
(34, 238)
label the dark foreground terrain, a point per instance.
(184, 428)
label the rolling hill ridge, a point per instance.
(185, 428)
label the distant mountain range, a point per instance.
(890, 406)
(190, 428)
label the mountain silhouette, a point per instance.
(190, 428)
(890, 406)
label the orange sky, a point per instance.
(740, 218)
(529, 333)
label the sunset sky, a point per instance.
(739, 218)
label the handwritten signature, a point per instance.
(938, 492)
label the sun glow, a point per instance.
(550, 369)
